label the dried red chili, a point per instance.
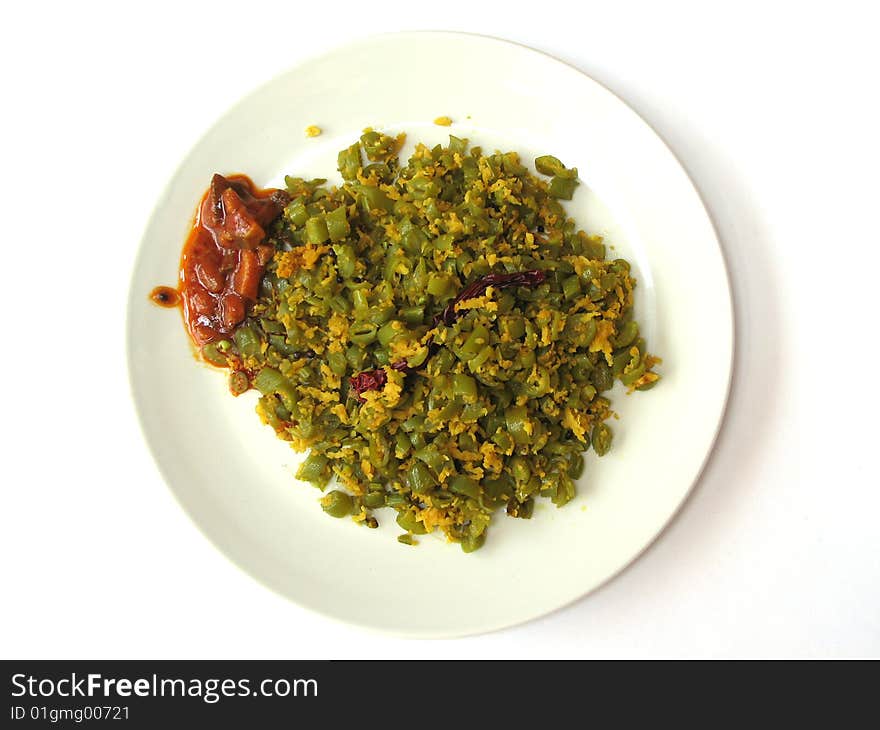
(368, 380)
(477, 288)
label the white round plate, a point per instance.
(235, 479)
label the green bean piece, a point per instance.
(413, 315)
(422, 188)
(575, 466)
(562, 188)
(359, 299)
(373, 199)
(269, 381)
(414, 240)
(315, 469)
(444, 242)
(417, 439)
(565, 490)
(419, 479)
(418, 358)
(571, 287)
(356, 358)
(337, 504)
(620, 361)
(465, 387)
(522, 510)
(593, 248)
(512, 326)
(537, 383)
(549, 165)
(407, 520)
(526, 489)
(627, 334)
(402, 445)
(296, 212)
(457, 145)
(601, 439)
(212, 354)
(238, 382)
(395, 499)
(316, 229)
(469, 544)
(337, 363)
(519, 427)
(629, 377)
(581, 329)
(520, 469)
(377, 146)
(465, 486)
(363, 334)
(247, 341)
(389, 331)
(440, 285)
(349, 162)
(413, 423)
(406, 539)
(474, 343)
(338, 303)
(441, 499)
(346, 262)
(380, 315)
(602, 377)
(431, 456)
(609, 282)
(337, 224)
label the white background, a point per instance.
(773, 109)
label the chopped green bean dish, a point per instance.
(438, 335)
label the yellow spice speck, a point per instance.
(313, 131)
(443, 122)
